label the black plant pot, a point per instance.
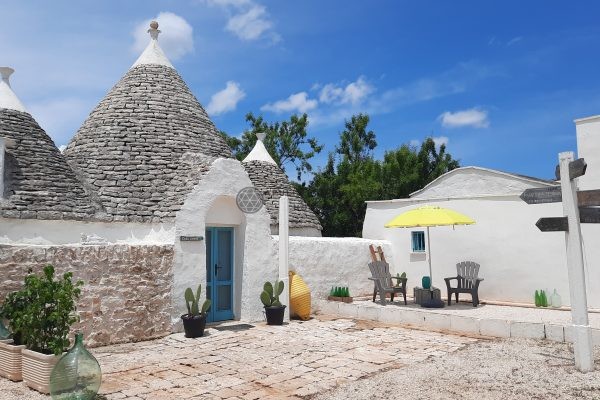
(193, 325)
(275, 315)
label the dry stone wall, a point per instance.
(127, 291)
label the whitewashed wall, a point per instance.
(326, 262)
(48, 232)
(515, 257)
(212, 202)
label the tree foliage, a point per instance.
(287, 141)
(352, 176)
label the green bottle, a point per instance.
(537, 299)
(544, 299)
(77, 375)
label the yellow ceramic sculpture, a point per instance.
(299, 297)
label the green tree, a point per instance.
(356, 143)
(287, 141)
(338, 193)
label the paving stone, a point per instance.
(317, 356)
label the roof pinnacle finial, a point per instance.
(153, 31)
(261, 136)
(8, 98)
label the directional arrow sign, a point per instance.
(542, 195)
(553, 224)
(589, 215)
(576, 169)
(586, 198)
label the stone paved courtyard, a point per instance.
(260, 362)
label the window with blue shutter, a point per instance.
(418, 241)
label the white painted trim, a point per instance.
(514, 196)
(586, 119)
(8, 98)
(493, 171)
(153, 54)
(260, 152)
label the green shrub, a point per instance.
(49, 314)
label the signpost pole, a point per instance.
(582, 334)
(284, 245)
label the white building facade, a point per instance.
(516, 258)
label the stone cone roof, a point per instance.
(38, 181)
(273, 183)
(130, 151)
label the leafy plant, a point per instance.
(46, 320)
(270, 294)
(192, 302)
(403, 275)
(13, 310)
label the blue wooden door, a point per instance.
(219, 273)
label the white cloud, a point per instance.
(514, 40)
(353, 93)
(247, 19)
(296, 102)
(440, 140)
(472, 117)
(226, 99)
(415, 143)
(176, 37)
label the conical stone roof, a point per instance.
(272, 182)
(130, 149)
(37, 181)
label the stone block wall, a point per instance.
(127, 288)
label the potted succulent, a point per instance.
(46, 322)
(10, 349)
(274, 310)
(195, 319)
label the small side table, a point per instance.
(421, 295)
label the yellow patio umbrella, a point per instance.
(427, 216)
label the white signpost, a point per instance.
(582, 334)
(284, 245)
(578, 207)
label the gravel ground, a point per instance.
(515, 369)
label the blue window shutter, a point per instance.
(418, 241)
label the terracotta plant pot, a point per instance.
(10, 360)
(37, 368)
(275, 315)
(193, 326)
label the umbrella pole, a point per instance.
(429, 259)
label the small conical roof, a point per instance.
(37, 181)
(131, 147)
(272, 182)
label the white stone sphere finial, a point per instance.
(261, 136)
(153, 31)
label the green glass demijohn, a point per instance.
(77, 375)
(5, 334)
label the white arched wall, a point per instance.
(210, 204)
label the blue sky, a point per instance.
(499, 82)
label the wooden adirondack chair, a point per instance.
(380, 275)
(467, 281)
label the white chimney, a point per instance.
(588, 147)
(8, 98)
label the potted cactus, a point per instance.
(274, 310)
(195, 319)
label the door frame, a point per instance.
(213, 314)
